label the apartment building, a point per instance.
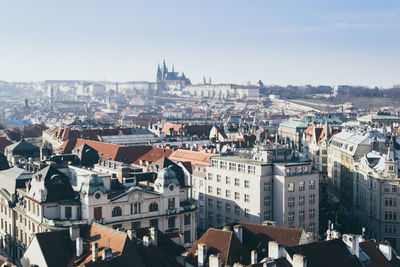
(281, 187)
(376, 194)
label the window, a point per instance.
(291, 201)
(171, 203)
(210, 217)
(291, 187)
(251, 169)
(246, 198)
(228, 193)
(137, 208)
(210, 189)
(246, 212)
(237, 195)
(267, 186)
(218, 178)
(237, 182)
(117, 226)
(241, 167)
(387, 188)
(390, 229)
(214, 163)
(392, 202)
(232, 166)
(117, 211)
(171, 222)
(302, 200)
(68, 212)
(222, 165)
(301, 215)
(186, 219)
(311, 199)
(267, 215)
(228, 207)
(246, 184)
(219, 205)
(218, 191)
(210, 176)
(97, 213)
(311, 212)
(267, 201)
(390, 215)
(394, 188)
(311, 184)
(135, 225)
(219, 218)
(311, 227)
(228, 219)
(186, 236)
(228, 180)
(210, 203)
(153, 206)
(237, 210)
(291, 216)
(154, 223)
(302, 186)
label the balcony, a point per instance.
(63, 223)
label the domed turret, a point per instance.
(92, 185)
(166, 177)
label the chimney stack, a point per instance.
(274, 250)
(215, 260)
(79, 246)
(386, 250)
(131, 234)
(238, 229)
(107, 253)
(95, 251)
(74, 232)
(201, 254)
(299, 260)
(153, 235)
(253, 257)
(146, 240)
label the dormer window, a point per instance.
(117, 211)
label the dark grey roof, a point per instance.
(14, 178)
(3, 162)
(22, 147)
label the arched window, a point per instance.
(117, 211)
(153, 206)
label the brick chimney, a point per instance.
(253, 257)
(153, 236)
(79, 246)
(74, 232)
(386, 250)
(299, 260)
(274, 250)
(146, 240)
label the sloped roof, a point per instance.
(195, 157)
(3, 162)
(377, 258)
(22, 147)
(256, 233)
(4, 142)
(125, 154)
(153, 155)
(223, 242)
(14, 178)
(330, 253)
(56, 247)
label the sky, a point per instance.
(280, 42)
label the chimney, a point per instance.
(201, 254)
(107, 253)
(95, 251)
(269, 264)
(215, 260)
(153, 235)
(299, 260)
(131, 234)
(386, 250)
(238, 232)
(74, 232)
(237, 264)
(79, 246)
(253, 257)
(146, 240)
(227, 228)
(274, 250)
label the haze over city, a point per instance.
(279, 42)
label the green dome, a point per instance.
(166, 177)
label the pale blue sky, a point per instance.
(280, 42)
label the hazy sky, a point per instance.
(280, 42)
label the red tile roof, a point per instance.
(194, 157)
(153, 155)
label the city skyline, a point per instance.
(231, 42)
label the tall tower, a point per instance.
(164, 70)
(159, 74)
(116, 88)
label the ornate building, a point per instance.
(170, 80)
